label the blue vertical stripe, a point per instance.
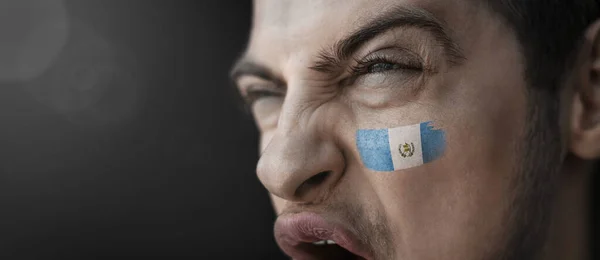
(433, 142)
(374, 148)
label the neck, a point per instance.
(569, 231)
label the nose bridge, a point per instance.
(297, 110)
(301, 161)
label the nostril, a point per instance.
(317, 179)
(312, 183)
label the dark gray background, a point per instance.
(158, 161)
(131, 143)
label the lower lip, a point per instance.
(310, 228)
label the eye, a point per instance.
(384, 64)
(257, 93)
(382, 67)
(264, 102)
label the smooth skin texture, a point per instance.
(453, 62)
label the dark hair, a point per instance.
(550, 32)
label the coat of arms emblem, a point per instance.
(406, 150)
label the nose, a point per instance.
(299, 166)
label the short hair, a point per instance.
(550, 32)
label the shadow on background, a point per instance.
(119, 135)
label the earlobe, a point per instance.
(585, 110)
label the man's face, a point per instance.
(317, 71)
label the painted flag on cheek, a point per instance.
(399, 148)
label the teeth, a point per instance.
(325, 242)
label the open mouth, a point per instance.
(325, 249)
(308, 236)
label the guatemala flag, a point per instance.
(393, 149)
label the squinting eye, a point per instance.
(254, 95)
(264, 103)
(383, 67)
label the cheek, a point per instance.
(462, 198)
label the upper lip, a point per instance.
(296, 233)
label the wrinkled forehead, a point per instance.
(284, 28)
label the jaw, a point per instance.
(569, 233)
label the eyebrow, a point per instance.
(246, 66)
(330, 59)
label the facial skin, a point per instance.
(451, 62)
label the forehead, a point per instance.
(285, 28)
(294, 12)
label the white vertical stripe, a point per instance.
(410, 135)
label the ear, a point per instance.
(585, 112)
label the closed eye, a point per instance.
(255, 93)
(382, 64)
(382, 67)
